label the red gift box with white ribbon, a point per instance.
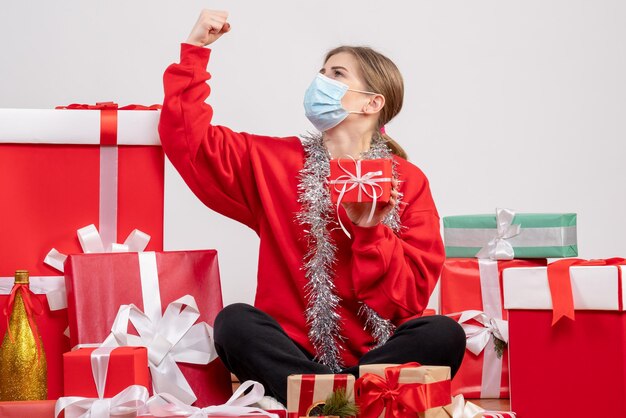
(105, 387)
(61, 170)
(127, 366)
(165, 301)
(567, 330)
(354, 180)
(471, 294)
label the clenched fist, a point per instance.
(210, 26)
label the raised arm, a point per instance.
(213, 160)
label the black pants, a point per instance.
(253, 346)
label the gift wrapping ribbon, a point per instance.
(499, 248)
(462, 409)
(51, 286)
(361, 182)
(129, 401)
(108, 163)
(492, 306)
(376, 393)
(170, 337)
(167, 405)
(561, 286)
(32, 306)
(480, 338)
(90, 242)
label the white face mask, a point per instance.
(322, 102)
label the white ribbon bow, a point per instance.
(91, 242)
(479, 335)
(128, 401)
(351, 181)
(169, 339)
(166, 405)
(499, 248)
(462, 409)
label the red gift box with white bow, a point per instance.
(471, 294)
(126, 366)
(165, 301)
(64, 169)
(353, 180)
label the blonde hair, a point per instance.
(382, 76)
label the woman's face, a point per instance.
(344, 67)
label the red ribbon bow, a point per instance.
(32, 305)
(375, 393)
(561, 285)
(108, 117)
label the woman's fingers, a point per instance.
(211, 24)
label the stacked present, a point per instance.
(75, 180)
(567, 338)
(478, 249)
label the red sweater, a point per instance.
(254, 180)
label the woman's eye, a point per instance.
(338, 73)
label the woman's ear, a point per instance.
(376, 103)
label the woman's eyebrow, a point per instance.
(337, 67)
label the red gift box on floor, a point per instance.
(575, 367)
(306, 390)
(126, 366)
(164, 299)
(56, 178)
(103, 373)
(30, 409)
(470, 284)
(353, 180)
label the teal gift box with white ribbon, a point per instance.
(507, 235)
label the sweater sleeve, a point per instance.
(395, 275)
(214, 161)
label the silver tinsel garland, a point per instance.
(316, 215)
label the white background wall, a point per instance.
(517, 104)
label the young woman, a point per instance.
(325, 302)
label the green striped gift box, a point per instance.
(542, 235)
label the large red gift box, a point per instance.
(470, 284)
(126, 366)
(575, 367)
(51, 181)
(360, 180)
(99, 284)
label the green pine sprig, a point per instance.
(337, 404)
(499, 346)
